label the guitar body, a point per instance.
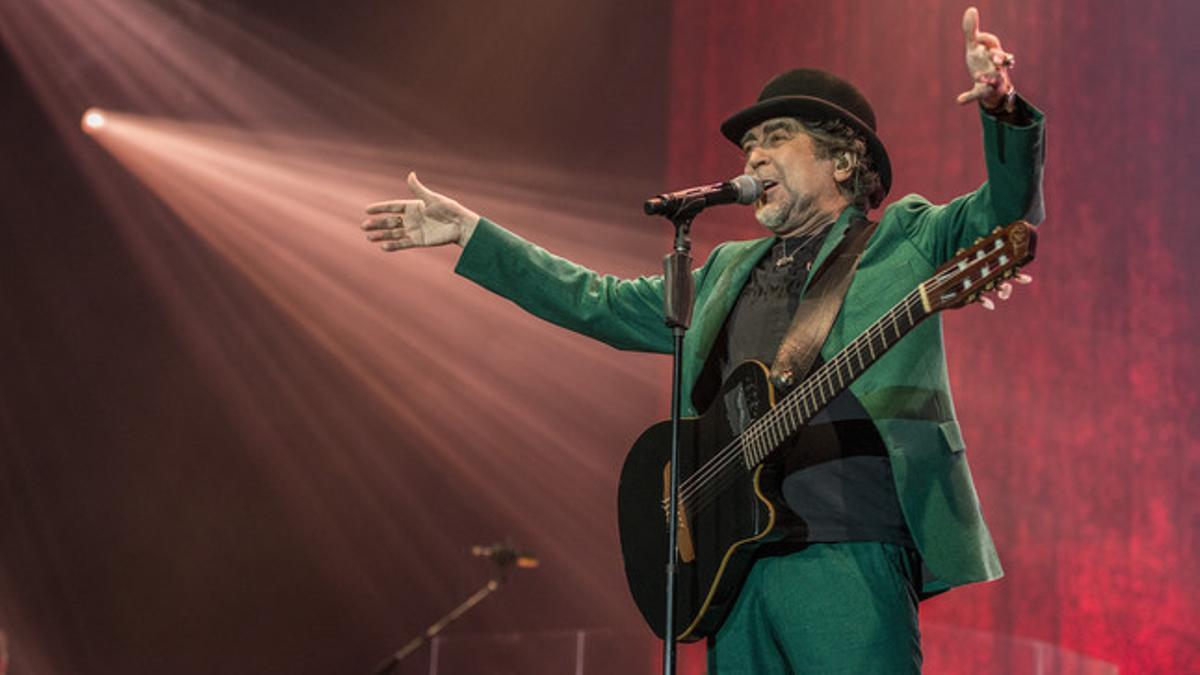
(717, 545)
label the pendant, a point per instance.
(785, 260)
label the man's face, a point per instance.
(805, 191)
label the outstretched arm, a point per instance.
(625, 313)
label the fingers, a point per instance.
(970, 25)
(392, 232)
(987, 40)
(1004, 291)
(392, 206)
(389, 233)
(423, 197)
(407, 223)
(399, 245)
(980, 89)
(383, 222)
(391, 240)
(381, 228)
(420, 191)
(394, 240)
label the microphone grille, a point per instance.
(748, 188)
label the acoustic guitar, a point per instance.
(729, 498)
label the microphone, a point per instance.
(741, 190)
(505, 555)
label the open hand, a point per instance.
(431, 219)
(987, 63)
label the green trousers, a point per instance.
(846, 607)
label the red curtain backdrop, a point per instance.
(1077, 396)
(191, 483)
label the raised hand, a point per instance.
(431, 219)
(988, 65)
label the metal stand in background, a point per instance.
(505, 559)
(677, 311)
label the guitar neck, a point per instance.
(834, 376)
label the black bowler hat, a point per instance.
(808, 93)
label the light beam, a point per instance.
(372, 389)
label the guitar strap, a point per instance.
(820, 306)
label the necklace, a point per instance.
(788, 258)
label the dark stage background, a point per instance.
(232, 444)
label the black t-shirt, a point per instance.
(839, 479)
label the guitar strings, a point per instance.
(712, 474)
(767, 426)
(769, 422)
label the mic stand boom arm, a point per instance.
(416, 643)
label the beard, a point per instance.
(786, 216)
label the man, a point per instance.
(879, 481)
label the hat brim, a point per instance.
(808, 107)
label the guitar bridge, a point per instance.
(683, 545)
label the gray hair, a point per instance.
(832, 137)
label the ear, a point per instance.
(843, 166)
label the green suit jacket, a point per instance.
(906, 393)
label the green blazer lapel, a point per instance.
(836, 232)
(715, 302)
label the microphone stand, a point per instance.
(504, 563)
(677, 312)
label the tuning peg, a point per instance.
(978, 239)
(960, 251)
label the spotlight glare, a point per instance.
(93, 120)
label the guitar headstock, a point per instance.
(978, 269)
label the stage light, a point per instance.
(93, 120)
